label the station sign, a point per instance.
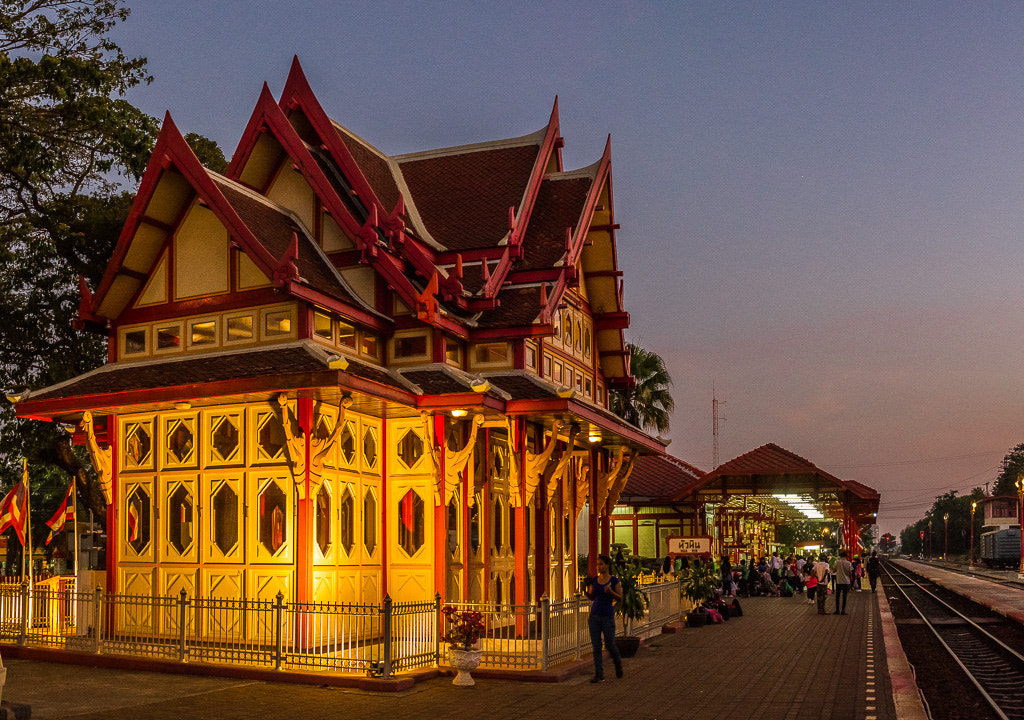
(698, 545)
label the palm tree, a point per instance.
(648, 404)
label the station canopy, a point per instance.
(794, 487)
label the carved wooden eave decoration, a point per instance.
(536, 463)
(559, 474)
(294, 444)
(455, 462)
(582, 489)
(605, 481)
(318, 455)
(102, 458)
(620, 482)
(514, 490)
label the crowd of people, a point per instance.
(813, 576)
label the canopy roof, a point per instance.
(782, 479)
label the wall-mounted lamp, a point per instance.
(182, 406)
(458, 413)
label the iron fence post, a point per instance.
(545, 630)
(387, 636)
(279, 629)
(97, 607)
(579, 628)
(437, 629)
(25, 604)
(182, 615)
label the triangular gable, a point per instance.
(174, 162)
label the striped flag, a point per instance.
(65, 512)
(14, 508)
(133, 522)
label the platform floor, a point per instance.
(781, 660)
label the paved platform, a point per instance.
(781, 660)
(997, 598)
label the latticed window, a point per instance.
(323, 520)
(411, 522)
(347, 442)
(410, 448)
(180, 441)
(369, 522)
(270, 436)
(225, 518)
(137, 445)
(348, 521)
(179, 519)
(273, 516)
(369, 447)
(137, 519)
(225, 439)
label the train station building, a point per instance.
(339, 375)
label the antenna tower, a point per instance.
(714, 426)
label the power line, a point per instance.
(898, 463)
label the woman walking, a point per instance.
(604, 591)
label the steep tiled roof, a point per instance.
(276, 229)
(374, 166)
(660, 477)
(448, 192)
(559, 206)
(517, 307)
(768, 459)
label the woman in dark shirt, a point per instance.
(604, 591)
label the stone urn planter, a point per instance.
(464, 661)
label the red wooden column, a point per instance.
(114, 530)
(435, 436)
(305, 526)
(592, 539)
(522, 544)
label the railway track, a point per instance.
(994, 668)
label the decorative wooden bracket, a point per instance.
(296, 445)
(559, 475)
(605, 480)
(514, 491)
(430, 439)
(537, 463)
(582, 490)
(455, 461)
(620, 483)
(426, 303)
(102, 458)
(317, 455)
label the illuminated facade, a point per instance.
(337, 374)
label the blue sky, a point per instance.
(820, 202)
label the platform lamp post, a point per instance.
(1020, 516)
(974, 506)
(945, 542)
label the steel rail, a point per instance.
(1001, 647)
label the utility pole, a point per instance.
(714, 426)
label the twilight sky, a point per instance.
(821, 202)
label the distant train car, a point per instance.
(1001, 548)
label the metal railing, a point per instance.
(377, 640)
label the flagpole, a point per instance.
(28, 524)
(74, 509)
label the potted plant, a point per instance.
(633, 605)
(462, 631)
(697, 584)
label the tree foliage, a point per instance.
(1012, 468)
(934, 527)
(66, 137)
(649, 404)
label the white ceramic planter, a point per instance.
(464, 661)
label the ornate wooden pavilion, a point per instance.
(338, 374)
